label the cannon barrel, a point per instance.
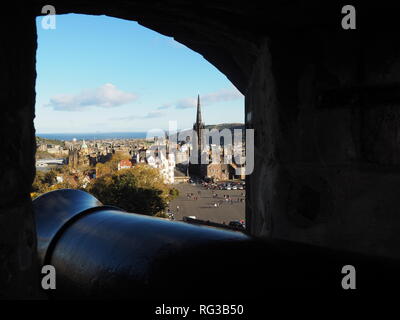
(104, 252)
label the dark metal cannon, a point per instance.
(103, 252)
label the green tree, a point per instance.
(173, 193)
(43, 181)
(139, 190)
(49, 177)
(38, 186)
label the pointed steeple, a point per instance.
(198, 127)
(198, 117)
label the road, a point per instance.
(203, 208)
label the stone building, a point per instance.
(205, 168)
(164, 162)
(78, 155)
(124, 164)
(218, 171)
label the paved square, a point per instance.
(204, 207)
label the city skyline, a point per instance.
(102, 74)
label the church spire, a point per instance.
(198, 117)
(198, 126)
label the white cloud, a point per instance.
(186, 103)
(152, 115)
(209, 98)
(105, 96)
(149, 115)
(222, 95)
(164, 106)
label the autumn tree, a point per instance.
(140, 190)
(43, 181)
(103, 169)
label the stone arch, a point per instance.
(323, 102)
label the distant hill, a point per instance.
(40, 140)
(223, 126)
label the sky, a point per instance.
(103, 74)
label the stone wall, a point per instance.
(18, 267)
(327, 140)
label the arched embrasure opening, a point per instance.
(115, 103)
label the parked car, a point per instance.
(237, 224)
(186, 218)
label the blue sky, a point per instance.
(102, 74)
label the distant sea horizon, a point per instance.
(93, 135)
(119, 135)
